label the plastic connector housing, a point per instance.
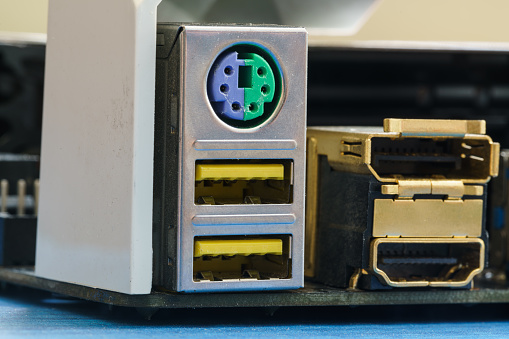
(244, 247)
(225, 94)
(19, 186)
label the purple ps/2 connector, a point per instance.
(225, 95)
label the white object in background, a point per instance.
(95, 213)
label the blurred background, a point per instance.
(421, 20)
(368, 59)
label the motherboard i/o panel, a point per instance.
(229, 158)
(402, 206)
(228, 177)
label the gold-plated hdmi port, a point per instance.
(415, 262)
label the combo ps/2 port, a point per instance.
(233, 182)
(244, 85)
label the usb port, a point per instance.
(225, 182)
(241, 258)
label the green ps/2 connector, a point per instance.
(245, 86)
(257, 79)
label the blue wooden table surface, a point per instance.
(28, 312)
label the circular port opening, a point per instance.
(228, 70)
(253, 107)
(245, 85)
(224, 88)
(236, 107)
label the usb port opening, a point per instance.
(242, 258)
(226, 182)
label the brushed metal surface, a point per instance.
(243, 219)
(205, 136)
(219, 145)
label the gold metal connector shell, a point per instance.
(405, 149)
(421, 262)
(427, 218)
(434, 127)
(448, 159)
